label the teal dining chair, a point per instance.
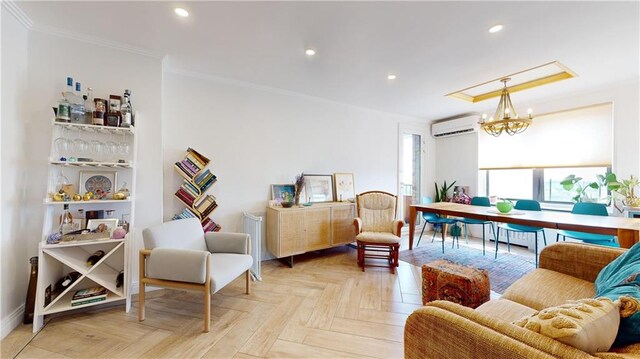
(524, 205)
(593, 209)
(484, 202)
(436, 221)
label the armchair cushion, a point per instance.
(377, 211)
(225, 267)
(378, 237)
(182, 233)
(182, 265)
(587, 324)
(238, 243)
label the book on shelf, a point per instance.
(185, 196)
(89, 293)
(210, 226)
(181, 168)
(88, 300)
(197, 157)
(186, 213)
(191, 189)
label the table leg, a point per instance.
(412, 225)
(627, 237)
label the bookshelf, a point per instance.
(197, 179)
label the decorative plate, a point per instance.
(98, 183)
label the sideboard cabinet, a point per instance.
(297, 230)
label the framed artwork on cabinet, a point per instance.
(345, 186)
(110, 223)
(318, 188)
(282, 192)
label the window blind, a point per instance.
(578, 137)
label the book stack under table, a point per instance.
(89, 295)
(197, 179)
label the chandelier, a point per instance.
(506, 118)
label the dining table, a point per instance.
(626, 229)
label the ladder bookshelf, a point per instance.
(196, 181)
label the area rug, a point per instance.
(502, 271)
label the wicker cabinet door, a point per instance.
(343, 231)
(292, 233)
(318, 228)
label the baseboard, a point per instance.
(11, 321)
(135, 288)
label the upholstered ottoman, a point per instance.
(444, 280)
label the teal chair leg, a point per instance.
(435, 230)
(442, 231)
(495, 237)
(544, 237)
(466, 233)
(483, 250)
(508, 242)
(557, 237)
(421, 233)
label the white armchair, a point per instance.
(178, 254)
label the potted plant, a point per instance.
(607, 181)
(441, 192)
(627, 189)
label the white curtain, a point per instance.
(578, 137)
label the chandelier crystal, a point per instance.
(506, 118)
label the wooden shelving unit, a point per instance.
(196, 181)
(58, 260)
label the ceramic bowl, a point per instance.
(287, 204)
(504, 207)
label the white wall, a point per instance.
(14, 217)
(626, 152)
(35, 82)
(256, 137)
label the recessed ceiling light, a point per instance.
(391, 77)
(495, 28)
(181, 12)
(310, 52)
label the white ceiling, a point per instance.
(434, 47)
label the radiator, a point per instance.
(253, 227)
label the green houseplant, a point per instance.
(441, 192)
(607, 181)
(627, 190)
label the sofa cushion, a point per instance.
(544, 288)
(590, 325)
(504, 309)
(618, 278)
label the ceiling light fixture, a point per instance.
(181, 12)
(391, 77)
(506, 118)
(310, 52)
(495, 28)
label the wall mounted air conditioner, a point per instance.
(458, 126)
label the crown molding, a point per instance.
(17, 12)
(246, 84)
(50, 30)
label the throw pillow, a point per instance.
(589, 324)
(619, 278)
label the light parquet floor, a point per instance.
(324, 306)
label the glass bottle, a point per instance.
(30, 302)
(88, 106)
(77, 105)
(66, 220)
(64, 106)
(125, 109)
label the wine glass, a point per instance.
(80, 147)
(111, 149)
(97, 148)
(62, 146)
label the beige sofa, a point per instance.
(448, 330)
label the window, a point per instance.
(540, 184)
(532, 164)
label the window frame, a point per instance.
(537, 190)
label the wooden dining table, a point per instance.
(627, 229)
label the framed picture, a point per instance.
(101, 183)
(111, 223)
(282, 192)
(318, 188)
(345, 186)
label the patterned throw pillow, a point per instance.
(590, 325)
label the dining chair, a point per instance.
(436, 221)
(593, 209)
(525, 205)
(484, 202)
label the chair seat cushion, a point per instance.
(378, 237)
(551, 289)
(519, 227)
(473, 221)
(591, 237)
(504, 309)
(225, 267)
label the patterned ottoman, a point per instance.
(444, 280)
